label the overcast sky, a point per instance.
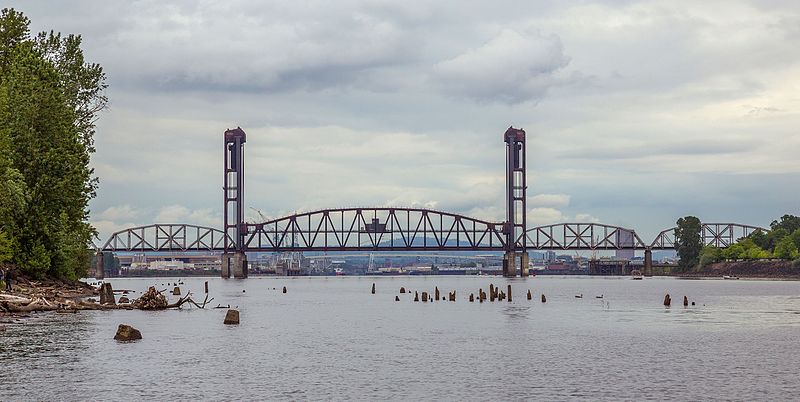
(637, 112)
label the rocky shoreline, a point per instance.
(63, 296)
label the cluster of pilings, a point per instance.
(668, 301)
(495, 294)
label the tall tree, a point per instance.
(788, 222)
(49, 100)
(688, 242)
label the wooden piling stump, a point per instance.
(231, 317)
(509, 293)
(373, 287)
(544, 299)
(667, 300)
(530, 296)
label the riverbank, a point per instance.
(749, 269)
(34, 295)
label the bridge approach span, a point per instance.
(713, 234)
(163, 237)
(583, 236)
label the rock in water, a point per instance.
(232, 317)
(124, 299)
(397, 298)
(402, 290)
(176, 291)
(126, 333)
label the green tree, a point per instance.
(49, 100)
(790, 223)
(710, 255)
(760, 238)
(786, 249)
(688, 242)
(795, 236)
(734, 252)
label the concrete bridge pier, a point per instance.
(510, 264)
(234, 263)
(524, 264)
(648, 262)
(99, 265)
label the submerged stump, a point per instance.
(231, 317)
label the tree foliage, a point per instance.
(786, 249)
(49, 100)
(688, 242)
(789, 223)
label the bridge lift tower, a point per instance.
(233, 258)
(516, 187)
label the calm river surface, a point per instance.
(328, 338)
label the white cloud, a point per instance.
(544, 216)
(120, 213)
(182, 214)
(512, 67)
(549, 200)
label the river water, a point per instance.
(329, 338)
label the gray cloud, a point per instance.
(512, 67)
(637, 112)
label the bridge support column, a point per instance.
(239, 265)
(234, 263)
(99, 265)
(226, 265)
(524, 263)
(648, 262)
(510, 264)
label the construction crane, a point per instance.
(263, 218)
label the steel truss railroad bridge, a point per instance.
(394, 229)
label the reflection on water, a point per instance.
(329, 338)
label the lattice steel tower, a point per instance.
(234, 258)
(516, 188)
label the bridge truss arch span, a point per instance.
(713, 234)
(374, 229)
(582, 236)
(175, 237)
